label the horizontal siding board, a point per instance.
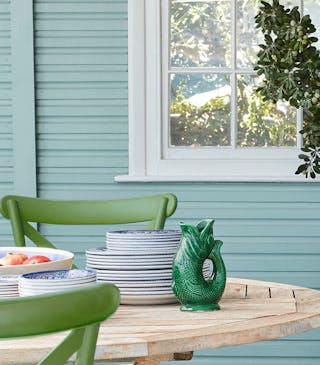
(83, 69)
(94, 51)
(5, 142)
(271, 262)
(90, 25)
(97, 125)
(254, 210)
(4, 60)
(83, 159)
(99, 142)
(279, 349)
(5, 127)
(5, 78)
(99, 8)
(255, 360)
(76, 92)
(4, 23)
(69, 59)
(78, 76)
(4, 8)
(81, 43)
(120, 109)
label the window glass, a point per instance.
(248, 37)
(200, 33)
(211, 94)
(200, 110)
(263, 124)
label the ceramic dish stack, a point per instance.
(9, 286)
(139, 263)
(55, 280)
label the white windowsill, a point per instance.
(294, 178)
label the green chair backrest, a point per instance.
(22, 210)
(80, 310)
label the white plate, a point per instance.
(144, 232)
(32, 291)
(140, 283)
(9, 296)
(135, 243)
(53, 288)
(144, 250)
(131, 258)
(131, 261)
(7, 290)
(47, 285)
(132, 276)
(105, 252)
(148, 299)
(130, 267)
(142, 247)
(8, 280)
(145, 292)
(139, 272)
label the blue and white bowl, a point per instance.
(56, 280)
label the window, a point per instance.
(193, 112)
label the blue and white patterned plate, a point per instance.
(48, 281)
(159, 232)
(59, 275)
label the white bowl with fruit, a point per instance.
(22, 260)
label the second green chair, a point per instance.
(25, 210)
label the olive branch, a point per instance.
(290, 65)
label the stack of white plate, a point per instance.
(54, 280)
(139, 263)
(9, 286)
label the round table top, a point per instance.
(251, 311)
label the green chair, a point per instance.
(79, 310)
(23, 210)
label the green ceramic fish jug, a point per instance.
(191, 288)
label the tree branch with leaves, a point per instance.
(290, 65)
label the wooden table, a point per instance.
(251, 311)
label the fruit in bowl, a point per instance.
(13, 259)
(37, 259)
(21, 260)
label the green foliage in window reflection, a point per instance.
(262, 124)
(192, 125)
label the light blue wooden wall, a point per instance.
(270, 231)
(6, 148)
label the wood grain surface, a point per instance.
(251, 311)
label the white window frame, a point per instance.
(148, 159)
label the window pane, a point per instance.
(200, 33)
(247, 36)
(200, 110)
(263, 124)
(312, 8)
